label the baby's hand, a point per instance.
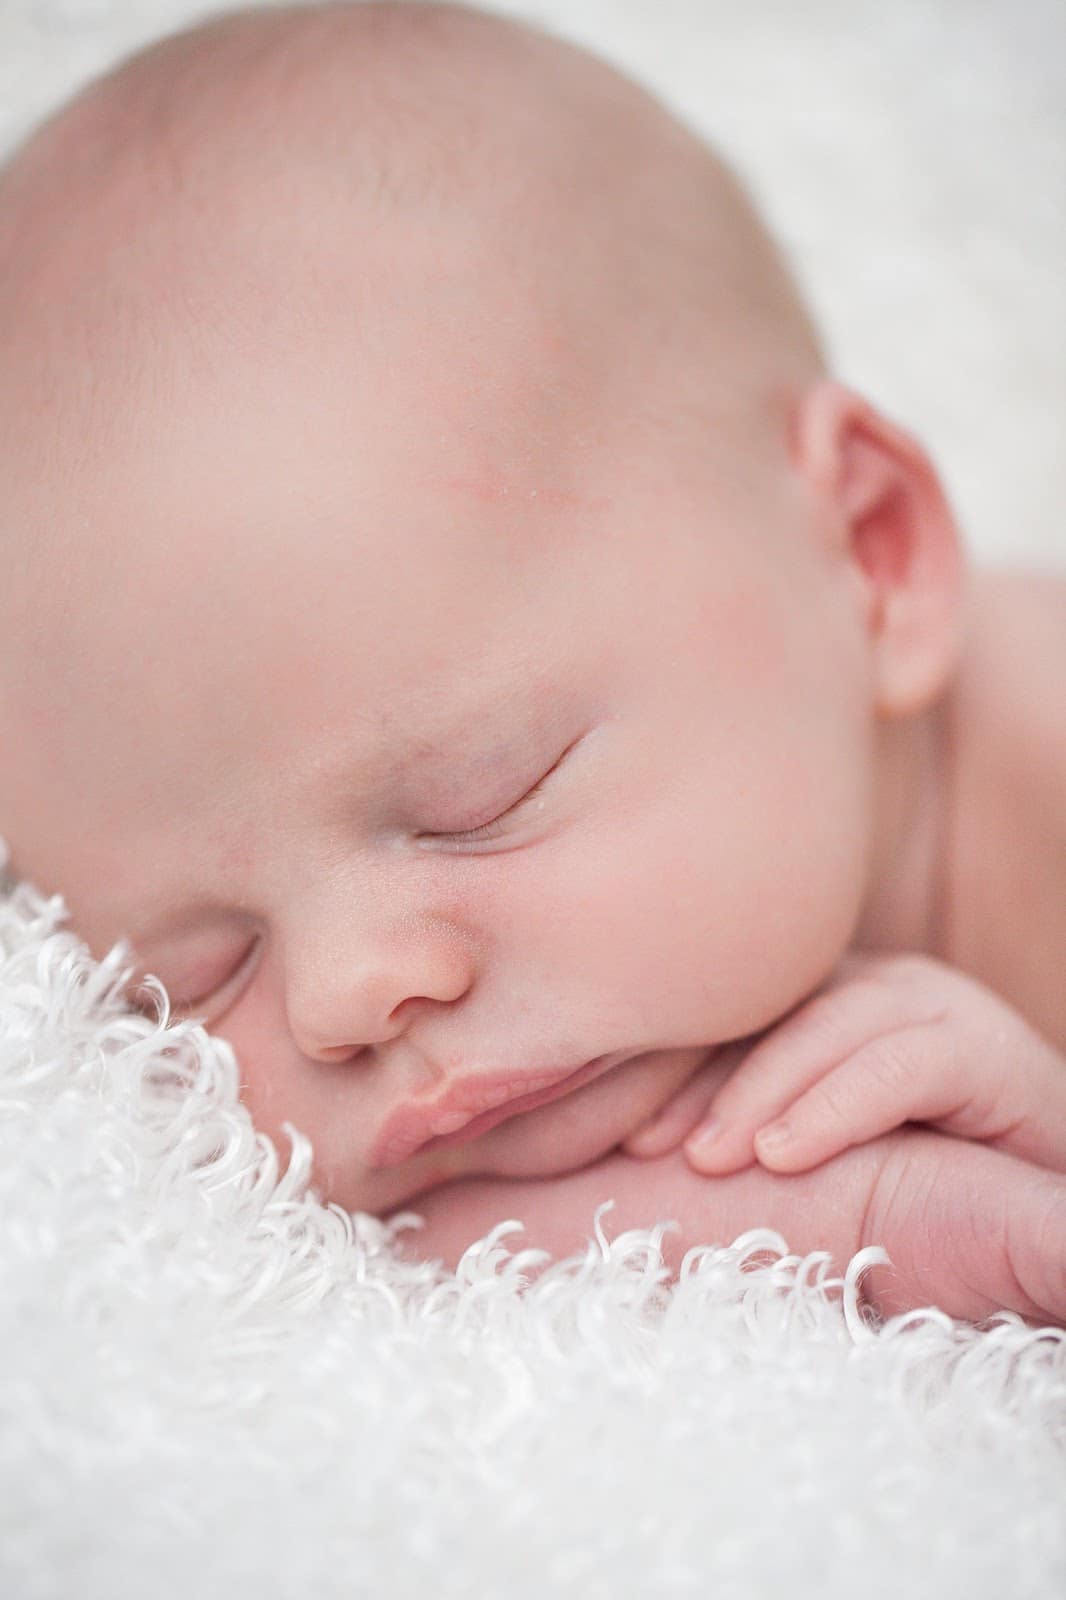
(888, 1040)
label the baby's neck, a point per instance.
(968, 858)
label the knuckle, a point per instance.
(832, 1102)
(911, 965)
(888, 968)
(926, 980)
(894, 1066)
(829, 1017)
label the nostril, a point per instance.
(337, 1052)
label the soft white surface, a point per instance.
(215, 1386)
(912, 156)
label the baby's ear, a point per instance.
(885, 501)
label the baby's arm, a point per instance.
(967, 1228)
(890, 1039)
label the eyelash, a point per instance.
(202, 1002)
(493, 828)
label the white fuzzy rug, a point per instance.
(215, 1386)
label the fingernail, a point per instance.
(775, 1135)
(705, 1134)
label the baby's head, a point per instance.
(452, 624)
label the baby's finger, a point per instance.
(893, 1079)
(781, 1065)
(1013, 1100)
(683, 1112)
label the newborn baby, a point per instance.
(457, 629)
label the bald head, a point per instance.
(389, 112)
(520, 236)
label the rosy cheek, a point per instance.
(747, 635)
(489, 489)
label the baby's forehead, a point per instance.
(235, 221)
(431, 115)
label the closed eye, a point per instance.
(208, 994)
(496, 825)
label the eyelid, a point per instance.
(492, 828)
(202, 1002)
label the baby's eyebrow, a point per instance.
(487, 741)
(515, 709)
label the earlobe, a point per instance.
(892, 524)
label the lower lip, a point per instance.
(513, 1108)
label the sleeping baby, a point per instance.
(458, 630)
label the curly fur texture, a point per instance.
(216, 1385)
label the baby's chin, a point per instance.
(551, 1140)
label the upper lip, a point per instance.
(415, 1122)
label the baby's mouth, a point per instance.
(416, 1128)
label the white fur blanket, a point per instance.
(213, 1385)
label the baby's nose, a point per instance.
(342, 999)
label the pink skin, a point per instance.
(394, 525)
(887, 1040)
(347, 655)
(472, 1107)
(337, 706)
(313, 718)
